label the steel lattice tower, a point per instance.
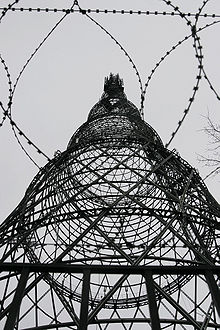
(116, 232)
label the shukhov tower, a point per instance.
(116, 232)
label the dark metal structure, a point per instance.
(116, 232)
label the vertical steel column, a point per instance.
(214, 289)
(155, 322)
(15, 306)
(83, 322)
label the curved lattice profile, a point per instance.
(114, 223)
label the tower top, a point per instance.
(113, 101)
(113, 84)
(114, 117)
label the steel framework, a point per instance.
(116, 232)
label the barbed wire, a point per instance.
(8, 113)
(203, 70)
(5, 9)
(14, 125)
(108, 11)
(188, 22)
(8, 75)
(200, 11)
(75, 8)
(178, 11)
(191, 99)
(199, 56)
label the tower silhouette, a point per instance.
(116, 232)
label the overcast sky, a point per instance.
(65, 78)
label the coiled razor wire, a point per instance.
(143, 86)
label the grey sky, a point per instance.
(65, 78)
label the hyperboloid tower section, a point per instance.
(116, 232)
